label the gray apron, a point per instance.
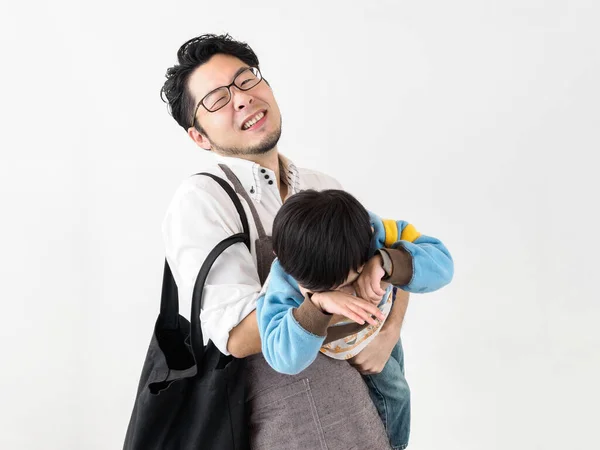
(325, 407)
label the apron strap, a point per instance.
(241, 191)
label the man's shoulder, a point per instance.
(202, 185)
(201, 199)
(314, 179)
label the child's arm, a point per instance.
(430, 264)
(288, 346)
(292, 329)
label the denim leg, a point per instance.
(398, 355)
(391, 395)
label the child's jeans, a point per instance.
(391, 395)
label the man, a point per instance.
(217, 94)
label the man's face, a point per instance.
(224, 129)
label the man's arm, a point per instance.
(374, 356)
(396, 317)
(200, 216)
(244, 339)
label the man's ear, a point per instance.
(200, 139)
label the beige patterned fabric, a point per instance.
(350, 346)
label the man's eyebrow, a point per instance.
(240, 70)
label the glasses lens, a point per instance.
(248, 79)
(216, 99)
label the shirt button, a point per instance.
(270, 181)
(252, 190)
(266, 177)
(262, 170)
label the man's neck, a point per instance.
(269, 160)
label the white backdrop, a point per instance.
(475, 120)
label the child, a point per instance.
(327, 244)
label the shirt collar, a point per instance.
(289, 172)
(252, 179)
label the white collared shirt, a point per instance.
(201, 214)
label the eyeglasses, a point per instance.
(218, 98)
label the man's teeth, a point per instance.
(252, 121)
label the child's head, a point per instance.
(321, 237)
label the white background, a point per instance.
(475, 120)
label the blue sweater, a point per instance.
(288, 347)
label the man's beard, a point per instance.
(265, 146)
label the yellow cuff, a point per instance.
(409, 233)
(391, 232)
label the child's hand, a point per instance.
(354, 308)
(369, 285)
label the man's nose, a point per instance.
(240, 99)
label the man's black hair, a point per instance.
(195, 52)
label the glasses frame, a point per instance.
(256, 72)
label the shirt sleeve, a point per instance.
(200, 216)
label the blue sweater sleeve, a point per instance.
(287, 347)
(433, 267)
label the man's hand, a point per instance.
(354, 308)
(369, 285)
(374, 356)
